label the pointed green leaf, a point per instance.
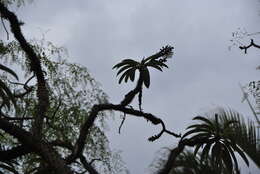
(215, 152)
(205, 152)
(125, 75)
(196, 130)
(162, 64)
(202, 126)
(156, 67)
(242, 154)
(146, 77)
(204, 120)
(231, 152)
(200, 136)
(125, 62)
(198, 146)
(123, 68)
(227, 159)
(132, 74)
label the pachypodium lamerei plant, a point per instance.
(128, 67)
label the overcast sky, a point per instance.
(203, 73)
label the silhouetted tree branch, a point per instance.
(252, 44)
(35, 66)
(79, 146)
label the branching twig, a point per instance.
(122, 122)
(27, 88)
(7, 33)
(250, 45)
(164, 130)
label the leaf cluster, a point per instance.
(128, 67)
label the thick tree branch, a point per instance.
(87, 165)
(13, 153)
(80, 144)
(35, 66)
(83, 160)
(38, 146)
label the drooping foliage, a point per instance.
(73, 91)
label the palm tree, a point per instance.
(188, 163)
(217, 138)
(244, 134)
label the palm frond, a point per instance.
(243, 133)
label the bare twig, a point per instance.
(122, 122)
(250, 45)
